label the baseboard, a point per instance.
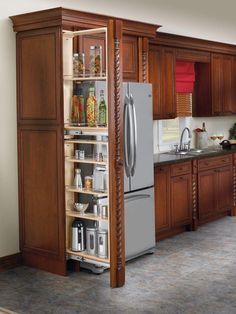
(10, 261)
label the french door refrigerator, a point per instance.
(139, 172)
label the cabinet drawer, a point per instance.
(214, 162)
(181, 168)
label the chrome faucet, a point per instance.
(186, 146)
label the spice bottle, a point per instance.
(102, 110)
(91, 108)
(78, 179)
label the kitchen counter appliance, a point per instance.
(139, 172)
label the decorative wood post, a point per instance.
(143, 59)
(194, 196)
(116, 179)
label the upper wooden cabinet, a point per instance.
(38, 75)
(130, 58)
(162, 77)
(223, 88)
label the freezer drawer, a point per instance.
(139, 222)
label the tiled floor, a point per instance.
(194, 272)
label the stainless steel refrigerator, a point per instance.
(139, 172)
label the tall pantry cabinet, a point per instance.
(45, 43)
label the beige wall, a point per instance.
(192, 18)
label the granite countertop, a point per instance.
(164, 158)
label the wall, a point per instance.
(183, 17)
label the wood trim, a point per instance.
(143, 59)
(68, 18)
(10, 261)
(194, 196)
(116, 185)
(178, 41)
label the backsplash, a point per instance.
(214, 125)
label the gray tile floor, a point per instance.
(194, 272)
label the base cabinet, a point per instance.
(215, 188)
(173, 194)
(180, 204)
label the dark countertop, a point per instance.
(164, 159)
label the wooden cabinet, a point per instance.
(180, 200)
(206, 194)
(162, 199)
(162, 77)
(173, 198)
(215, 187)
(130, 58)
(222, 80)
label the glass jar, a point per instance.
(78, 64)
(88, 183)
(95, 61)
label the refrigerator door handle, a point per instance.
(126, 134)
(136, 197)
(134, 139)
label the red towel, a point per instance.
(185, 77)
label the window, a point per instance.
(168, 133)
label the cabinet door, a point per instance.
(227, 96)
(130, 58)
(225, 189)
(180, 195)
(206, 193)
(42, 198)
(168, 97)
(233, 84)
(154, 78)
(39, 76)
(216, 84)
(162, 211)
(162, 76)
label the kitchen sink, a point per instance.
(193, 152)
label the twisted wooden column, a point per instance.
(118, 149)
(194, 196)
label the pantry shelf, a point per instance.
(87, 256)
(93, 142)
(89, 216)
(89, 78)
(86, 129)
(86, 161)
(84, 191)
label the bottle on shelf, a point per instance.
(91, 108)
(102, 111)
(78, 180)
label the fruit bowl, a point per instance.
(80, 207)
